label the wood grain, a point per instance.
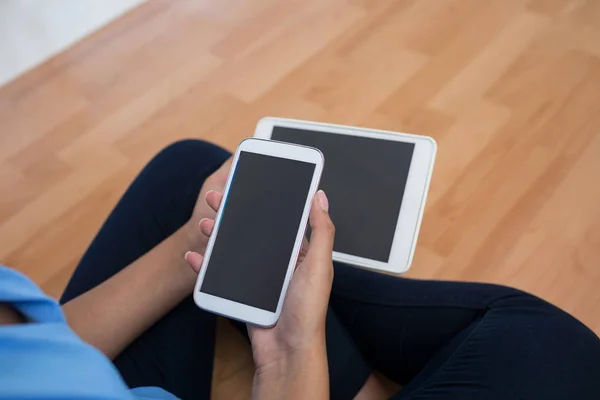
(510, 89)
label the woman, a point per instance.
(130, 298)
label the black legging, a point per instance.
(440, 340)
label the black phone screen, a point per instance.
(258, 229)
(364, 179)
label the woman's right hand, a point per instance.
(291, 358)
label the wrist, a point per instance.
(183, 240)
(292, 375)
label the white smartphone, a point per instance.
(376, 182)
(259, 227)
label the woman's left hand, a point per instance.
(212, 200)
(202, 210)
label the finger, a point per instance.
(206, 226)
(323, 230)
(226, 167)
(194, 260)
(213, 199)
(304, 247)
(303, 251)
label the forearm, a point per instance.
(116, 312)
(303, 376)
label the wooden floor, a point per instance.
(510, 89)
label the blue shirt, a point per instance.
(45, 359)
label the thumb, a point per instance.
(323, 230)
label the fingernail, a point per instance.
(186, 255)
(323, 202)
(200, 223)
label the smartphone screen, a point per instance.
(258, 228)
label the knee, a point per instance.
(189, 159)
(548, 321)
(185, 149)
(547, 344)
(189, 155)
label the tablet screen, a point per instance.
(364, 179)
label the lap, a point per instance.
(523, 348)
(436, 338)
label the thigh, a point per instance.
(394, 319)
(177, 352)
(521, 348)
(420, 332)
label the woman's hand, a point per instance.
(202, 210)
(291, 357)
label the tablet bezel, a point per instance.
(415, 194)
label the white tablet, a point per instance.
(376, 182)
